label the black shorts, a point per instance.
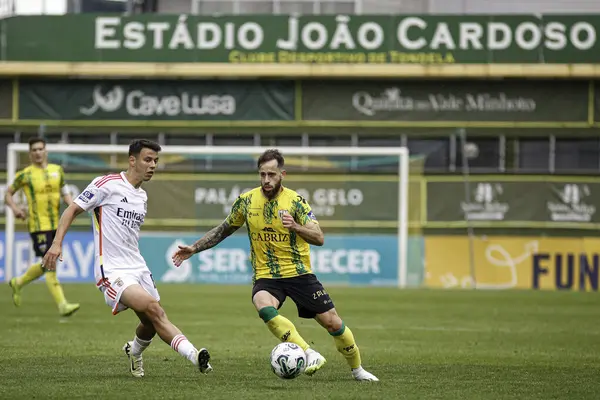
(304, 290)
(42, 241)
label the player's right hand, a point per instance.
(54, 253)
(20, 214)
(182, 254)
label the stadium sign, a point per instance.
(371, 202)
(597, 101)
(512, 262)
(329, 200)
(333, 35)
(344, 259)
(306, 39)
(556, 203)
(155, 100)
(510, 101)
(6, 99)
(572, 202)
(138, 103)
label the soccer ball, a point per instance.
(288, 360)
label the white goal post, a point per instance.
(403, 176)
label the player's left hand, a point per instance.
(288, 222)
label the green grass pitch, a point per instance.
(422, 344)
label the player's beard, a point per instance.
(274, 190)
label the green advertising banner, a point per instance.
(510, 101)
(6, 99)
(553, 203)
(572, 202)
(330, 200)
(359, 201)
(596, 108)
(156, 100)
(376, 39)
(344, 202)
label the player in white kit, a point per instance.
(118, 207)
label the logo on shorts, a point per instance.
(119, 282)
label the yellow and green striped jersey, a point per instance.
(42, 187)
(275, 252)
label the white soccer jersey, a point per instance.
(118, 210)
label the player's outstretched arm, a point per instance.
(310, 232)
(66, 219)
(212, 238)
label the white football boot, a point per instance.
(362, 375)
(314, 362)
(136, 364)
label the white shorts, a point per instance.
(114, 284)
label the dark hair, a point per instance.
(270, 155)
(136, 146)
(35, 140)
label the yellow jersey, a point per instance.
(275, 252)
(42, 187)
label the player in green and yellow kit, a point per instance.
(44, 185)
(281, 226)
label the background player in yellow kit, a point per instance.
(281, 225)
(44, 185)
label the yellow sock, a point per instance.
(55, 288)
(33, 273)
(282, 327)
(344, 341)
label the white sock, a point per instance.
(357, 370)
(139, 345)
(183, 346)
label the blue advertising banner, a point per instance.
(78, 256)
(345, 259)
(351, 260)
